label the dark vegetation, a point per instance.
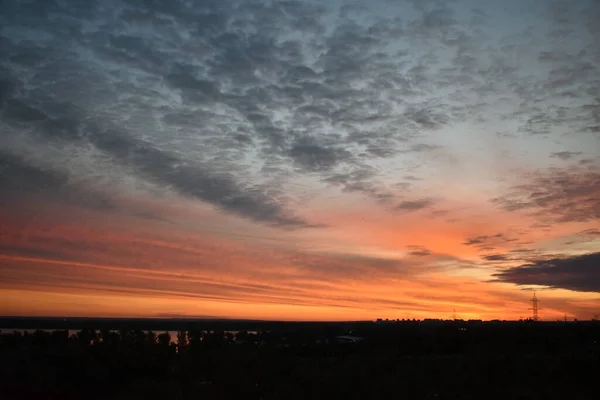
(111, 359)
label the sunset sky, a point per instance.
(300, 160)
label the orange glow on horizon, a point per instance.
(357, 269)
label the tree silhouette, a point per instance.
(151, 337)
(181, 339)
(419, 360)
(87, 335)
(164, 339)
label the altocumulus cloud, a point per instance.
(227, 101)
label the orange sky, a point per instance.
(97, 264)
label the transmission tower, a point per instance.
(535, 307)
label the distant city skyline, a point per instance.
(300, 160)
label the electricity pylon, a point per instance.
(535, 307)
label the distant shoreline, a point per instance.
(215, 323)
(157, 323)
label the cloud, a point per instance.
(17, 174)
(361, 179)
(488, 240)
(419, 251)
(414, 205)
(172, 105)
(352, 267)
(496, 257)
(557, 195)
(476, 240)
(424, 253)
(422, 147)
(590, 232)
(577, 273)
(587, 235)
(219, 189)
(426, 118)
(522, 250)
(199, 181)
(201, 83)
(32, 251)
(348, 267)
(316, 158)
(566, 155)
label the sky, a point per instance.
(300, 160)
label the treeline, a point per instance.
(450, 360)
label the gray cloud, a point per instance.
(488, 239)
(566, 155)
(578, 273)
(315, 158)
(496, 257)
(339, 267)
(32, 251)
(489, 243)
(522, 251)
(422, 147)
(413, 205)
(426, 118)
(216, 98)
(419, 251)
(197, 180)
(17, 174)
(587, 235)
(590, 232)
(220, 189)
(557, 195)
(361, 180)
(348, 266)
(423, 253)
